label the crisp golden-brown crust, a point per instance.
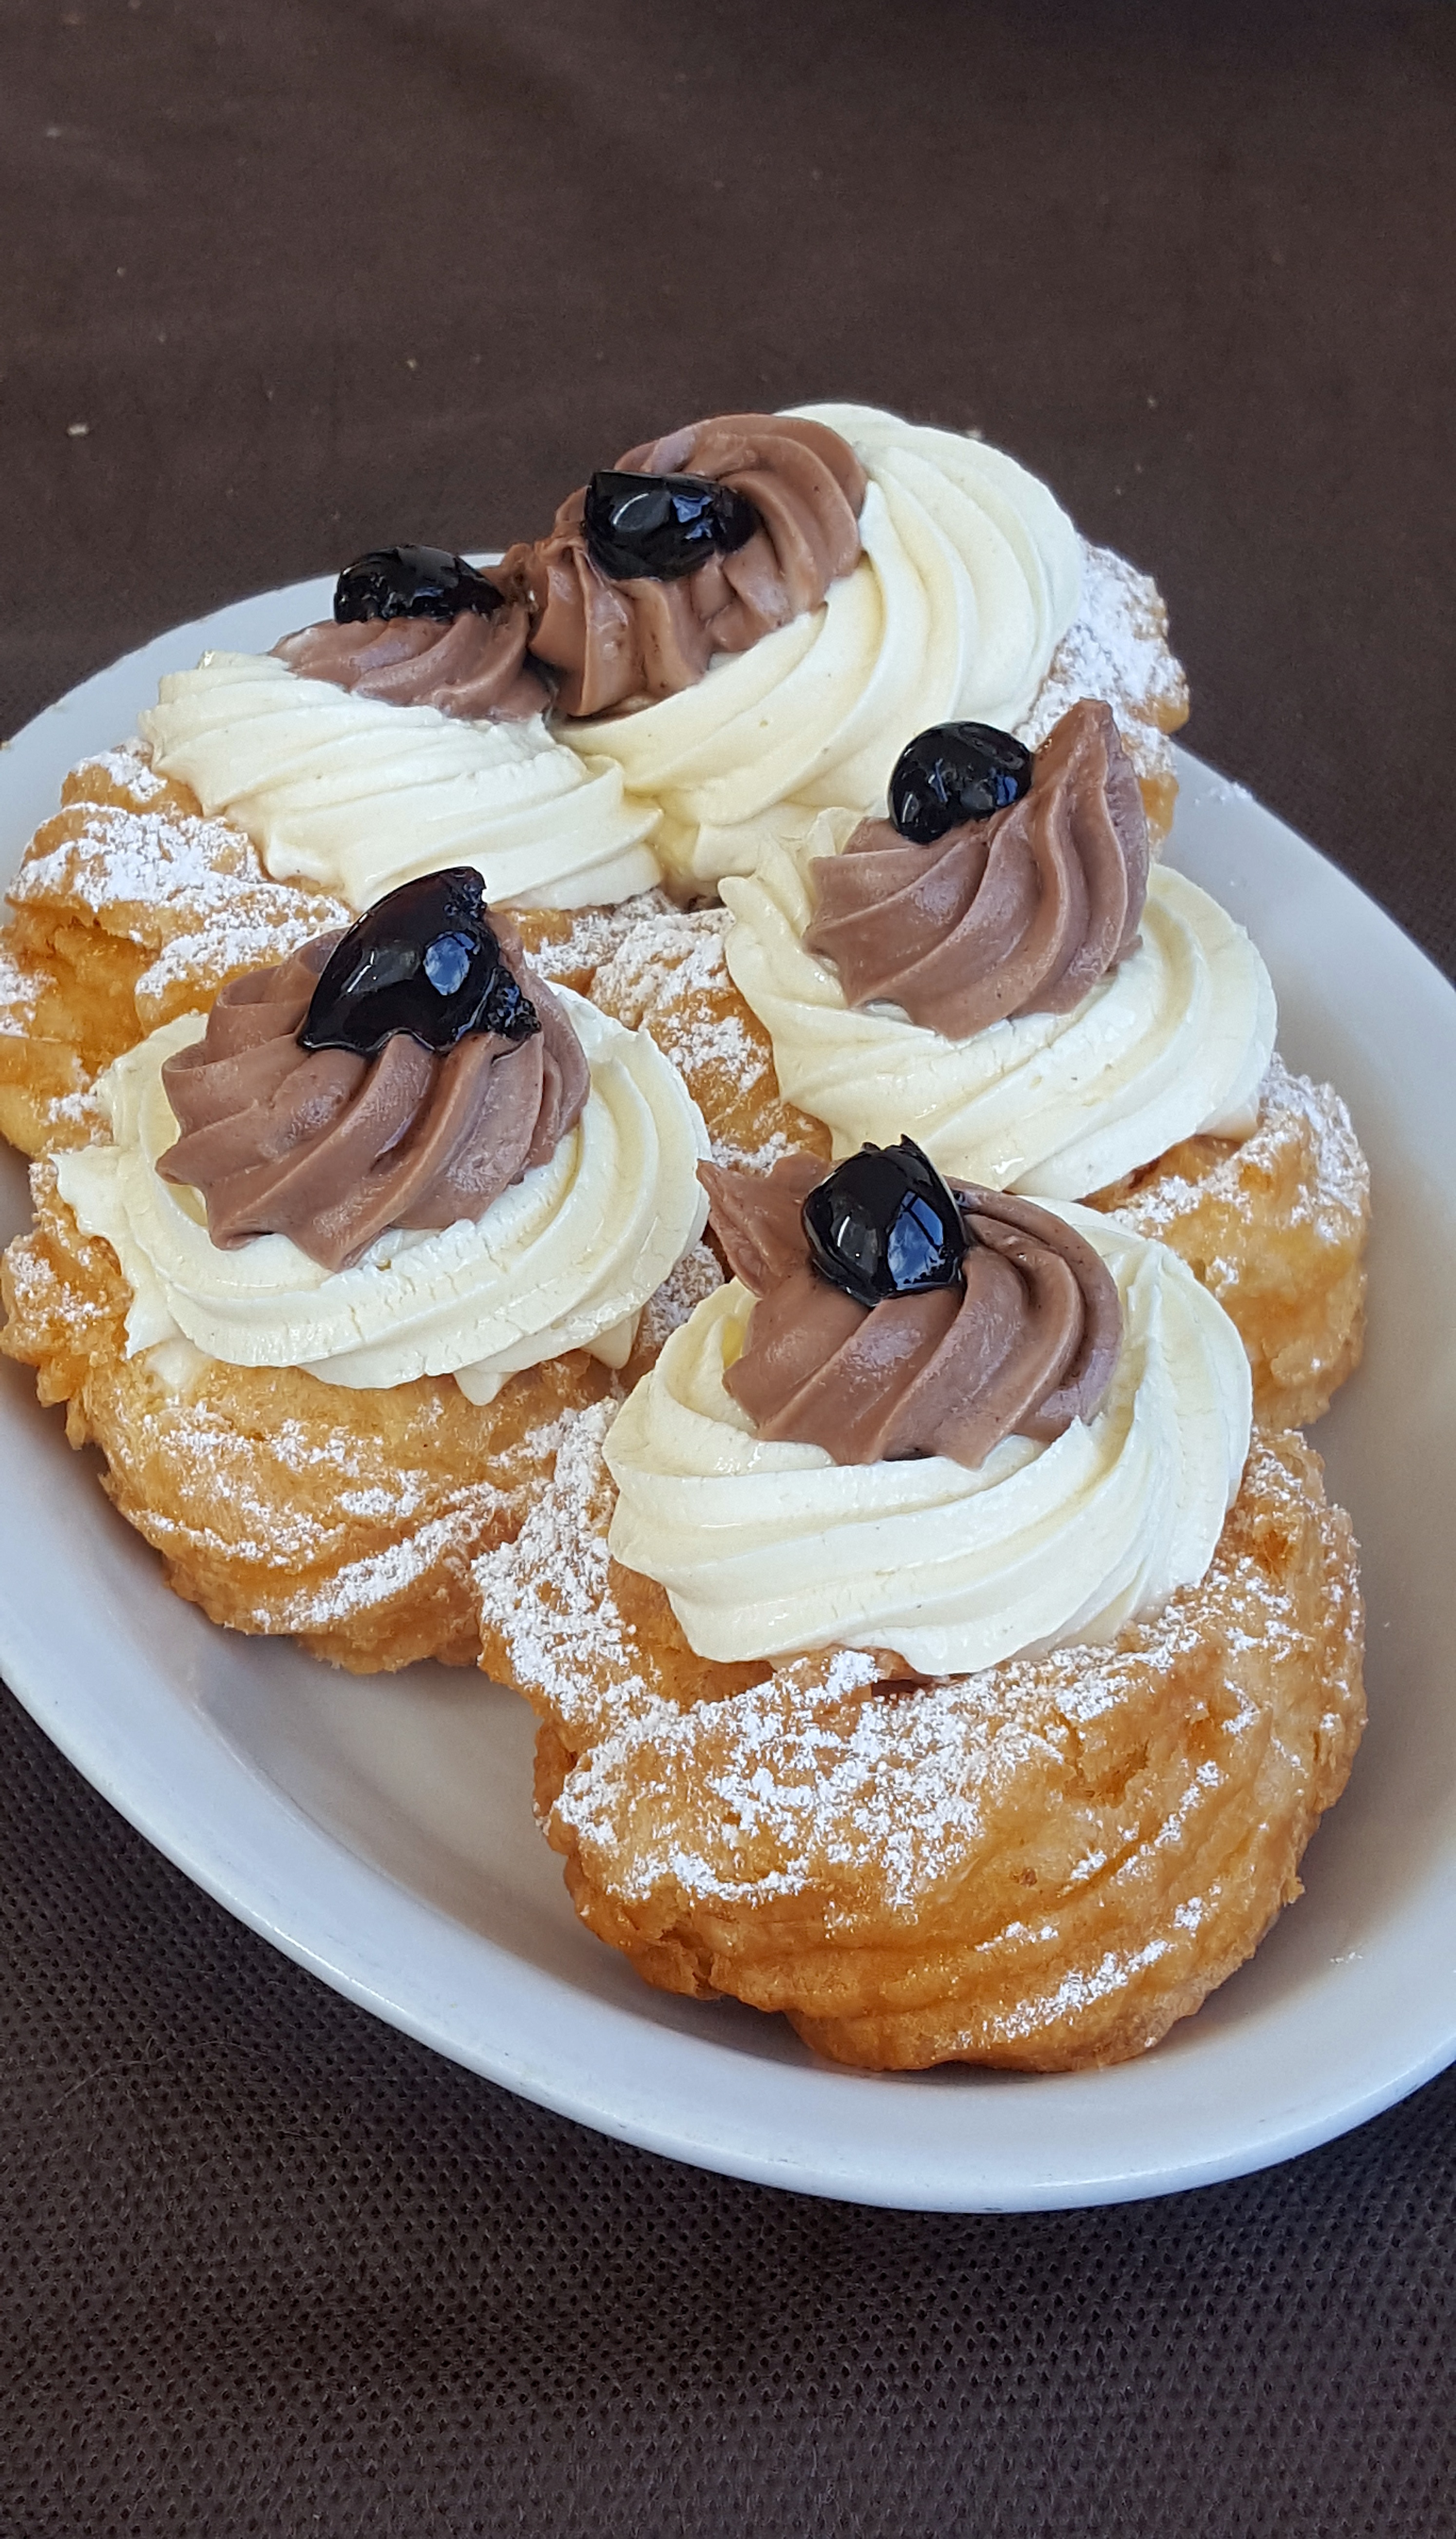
(1044, 1865)
(1275, 1228)
(129, 908)
(278, 1504)
(1135, 674)
(660, 969)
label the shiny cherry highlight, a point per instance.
(426, 961)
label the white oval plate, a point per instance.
(379, 1829)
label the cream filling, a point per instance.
(565, 1258)
(971, 574)
(361, 795)
(1176, 1040)
(768, 1548)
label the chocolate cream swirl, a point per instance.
(1019, 914)
(472, 666)
(1028, 1345)
(334, 1149)
(614, 643)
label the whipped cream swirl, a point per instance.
(334, 1149)
(767, 1548)
(1025, 1345)
(472, 666)
(361, 795)
(565, 1259)
(1175, 1041)
(965, 603)
(1019, 914)
(969, 576)
(615, 643)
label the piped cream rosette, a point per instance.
(970, 579)
(360, 795)
(565, 1259)
(971, 574)
(767, 1549)
(1177, 1040)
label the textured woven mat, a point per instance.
(314, 276)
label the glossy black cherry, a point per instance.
(412, 581)
(656, 528)
(886, 1225)
(954, 772)
(425, 960)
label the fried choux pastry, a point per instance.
(1044, 1865)
(1275, 1225)
(343, 1259)
(280, 1503)
(1040, 1860)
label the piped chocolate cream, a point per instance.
(475, 1076)
(1019, 1338)
(472, 667)
(616, 639)
(419, 625)
(1022, 912)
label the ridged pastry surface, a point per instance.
(1043, 1865)
(129, 908)
(283, 1504)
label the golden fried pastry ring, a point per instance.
(129, 909)
(349, 1517)
(1043, 1865)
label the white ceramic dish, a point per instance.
(379, 1829)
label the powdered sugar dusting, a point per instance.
(659, 967)
(189, 889)
(547, 1596)
(127, 861)
(695, 1277)
(1332, 1196)
(670, 977)
(20, 992)
(685, 944)
(825, 1775)
(1117, 649)
(593, 936)
(127, 768)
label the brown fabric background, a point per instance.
(319, 274)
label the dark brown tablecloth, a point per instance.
(319, 274)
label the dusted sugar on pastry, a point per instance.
(129, 908)
(898, 574)
(392, 1195)
(936, 1659)
(1274, 1224)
